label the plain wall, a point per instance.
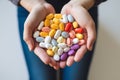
(106, 60)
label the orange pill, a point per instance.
(72, 34)
(46, 29)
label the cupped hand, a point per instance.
(84, 19)
(38, 12)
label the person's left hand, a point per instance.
(82, 16)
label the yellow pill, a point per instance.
(61, 26)
(55, 49)
(79, 36)
(58, 16)
(43, 34)
(75, 24)
(50, 16)
(54, 26)
(56, 21)
(47, 23)
(50, 52)
(52, 33)
(60, 39)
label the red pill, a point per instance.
(68, 27)
(79, 30)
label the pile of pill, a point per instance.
(60, 35)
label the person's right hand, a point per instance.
(38, 10)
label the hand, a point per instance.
(81, 15)
(38, 10)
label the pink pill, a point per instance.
(64, 56)
(72, 34)
(71, 52)
(46, 29)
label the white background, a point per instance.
(106, 61)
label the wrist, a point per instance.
(87, 4)
(29, 4)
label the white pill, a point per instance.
(41, 25)
(65, 19)
(70, 18)
(36, 34)
(48, 46)
(60, 51)
(62, 45)
(48, 39)
(66, 49)
(42, 45)
(56, 57)
(57, 34)
(75, 40)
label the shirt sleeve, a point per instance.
(97, 2)
(16, 2)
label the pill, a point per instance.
(68, 41)
(52, 32)
(36, 34)
(62, 45)
(55, 49)
(50, 52)
(72, 34)
(81, 42)
(65, 19)
(79, 36)
(56, 57)
(65, 34)
(58, 16)
(42, 45)
(40, 25)
(66, 49)
(43, 34)
(79, 30)
(75, 47)
(71, 52)
(50, 16)
(60, 51)
(39, 39)
(47, 23)
(54, 26)
(47, 39)
(70, 18)
(46, 29)
(60, 39)
(61, 26)
(56, 21)
(48, 46)
(54, 42)
(75, 24)
(68, 27)
(63, 57)
(75, 40)
(57, 34)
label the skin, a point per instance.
(39, 9)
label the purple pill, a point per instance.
(63, 56)
(71, 52)
(75, 47)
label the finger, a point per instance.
(42, 55)
(80, 53)
(91, 36)
(53, 62)
(70, 60)
(62, 64)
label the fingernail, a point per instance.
(91, 47)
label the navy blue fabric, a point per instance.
(38, 70)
